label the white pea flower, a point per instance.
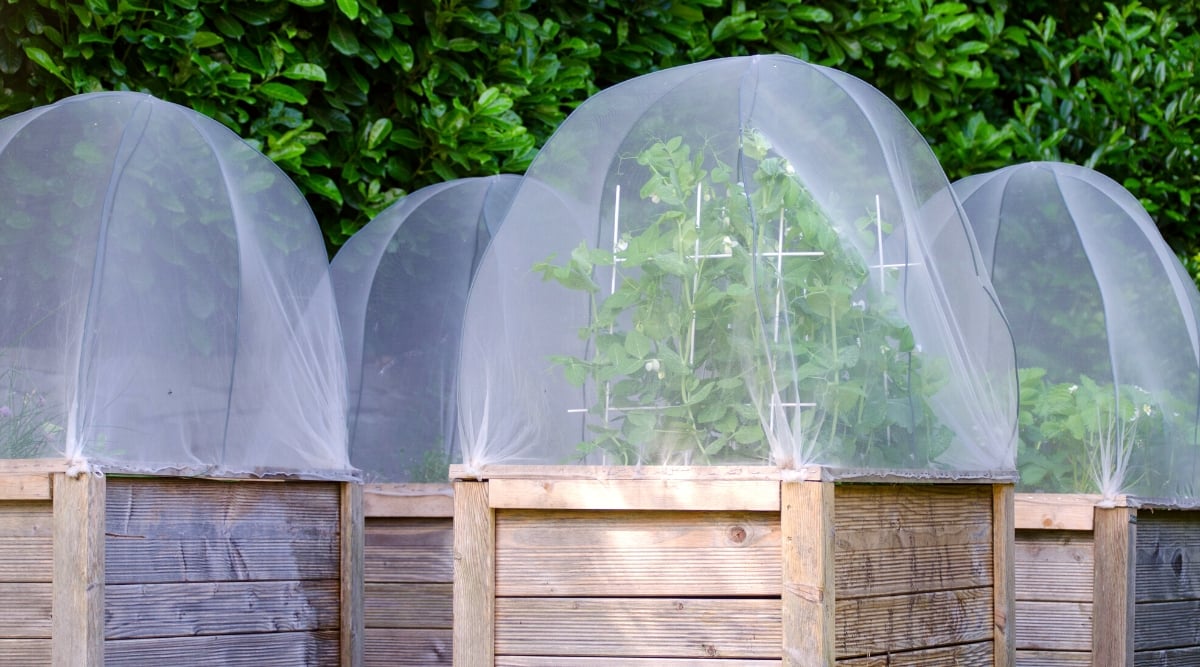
(653, 366)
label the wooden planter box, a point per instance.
(409, 570)
(160, 571)
(599, 567)
(1116, 586)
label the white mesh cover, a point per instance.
(746, 260)
(401, 285)
(165, 303)
(1105, 322)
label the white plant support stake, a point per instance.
(695, 285)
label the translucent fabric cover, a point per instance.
(1105, 322)
(165, 303)
(402, 284)
(746, 260)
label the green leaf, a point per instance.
(205, 40)
(381, 129)
(283, 92)
(637, 344)
(305, 72)
(349, 8)
(308, 3)
(47, 63)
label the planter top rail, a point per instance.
(731, 472)
(1076, 511)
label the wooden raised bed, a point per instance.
(574, 566)
(1106, 586)
(161, 571)
(409, 570)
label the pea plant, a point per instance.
(28, 424)
(731, 322)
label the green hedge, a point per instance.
(362, 101)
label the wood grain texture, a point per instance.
(135, 611)
(25, 610)
(638, 627)
(22, 518)
(807, 521)
(1166, 625)
(596, 472)
(26, 541)
(394, 647)
(978, 654)
(580, 553)
(904, 539)
(1168, 556)
(24, 652)
(350, 583)
(474, 576)
(1054, 658)
(559, 661)
(638, 494)
(162, 530)
(79, 556)
(1180, 657)
(409, 550)
(1054, 565)
(1054, 626)
(408, 500)
(1055, 511)
(414, 606)
(1004, 634)
(24, 487)
(33, 466)
(282, 649)
(876, 626)
(1113, 613)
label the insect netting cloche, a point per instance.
(1104, 318)
(165, 304)
(745, 260)
(402, 284)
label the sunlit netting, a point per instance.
(746, 260)
(402, 284)
(1105, 322)
(165, 304)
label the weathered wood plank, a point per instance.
(1168, 556)
(164, 560)
(25, 610)
(978, 654)
(596, 472)
(1055, 511)
(559, 661)
(474, 576)
(26, 559)
(1055, 566)
(395, 647)
(1054, 626)
(808, 589)
(24, 652)
(1167, 625)
(350, 584)
(637, 494)
(409, 550)
(638, 627)
(280, 649)
(876, 626)
(33, 466)
(136, 611)
(1113, 612)
(79, 555)
(408, 500)
(1180, 657)
(1054, 658)
(24, 487)
(23, 518)
(429, 606)
(1004, 632)
(892, 540)
(579, 553)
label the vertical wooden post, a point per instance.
(474, 576)
(1004, 635)
(352, 555)
(78, 606)
(806, 520)
(1112, 607)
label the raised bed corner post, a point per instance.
(1004, 585)
(78, 604)
(474, 643)
(352, 554)
(806, 518)
(1113, 604)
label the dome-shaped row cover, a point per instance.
(1104, 318)
(165, 303)
(401, 284)
(746, 260)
